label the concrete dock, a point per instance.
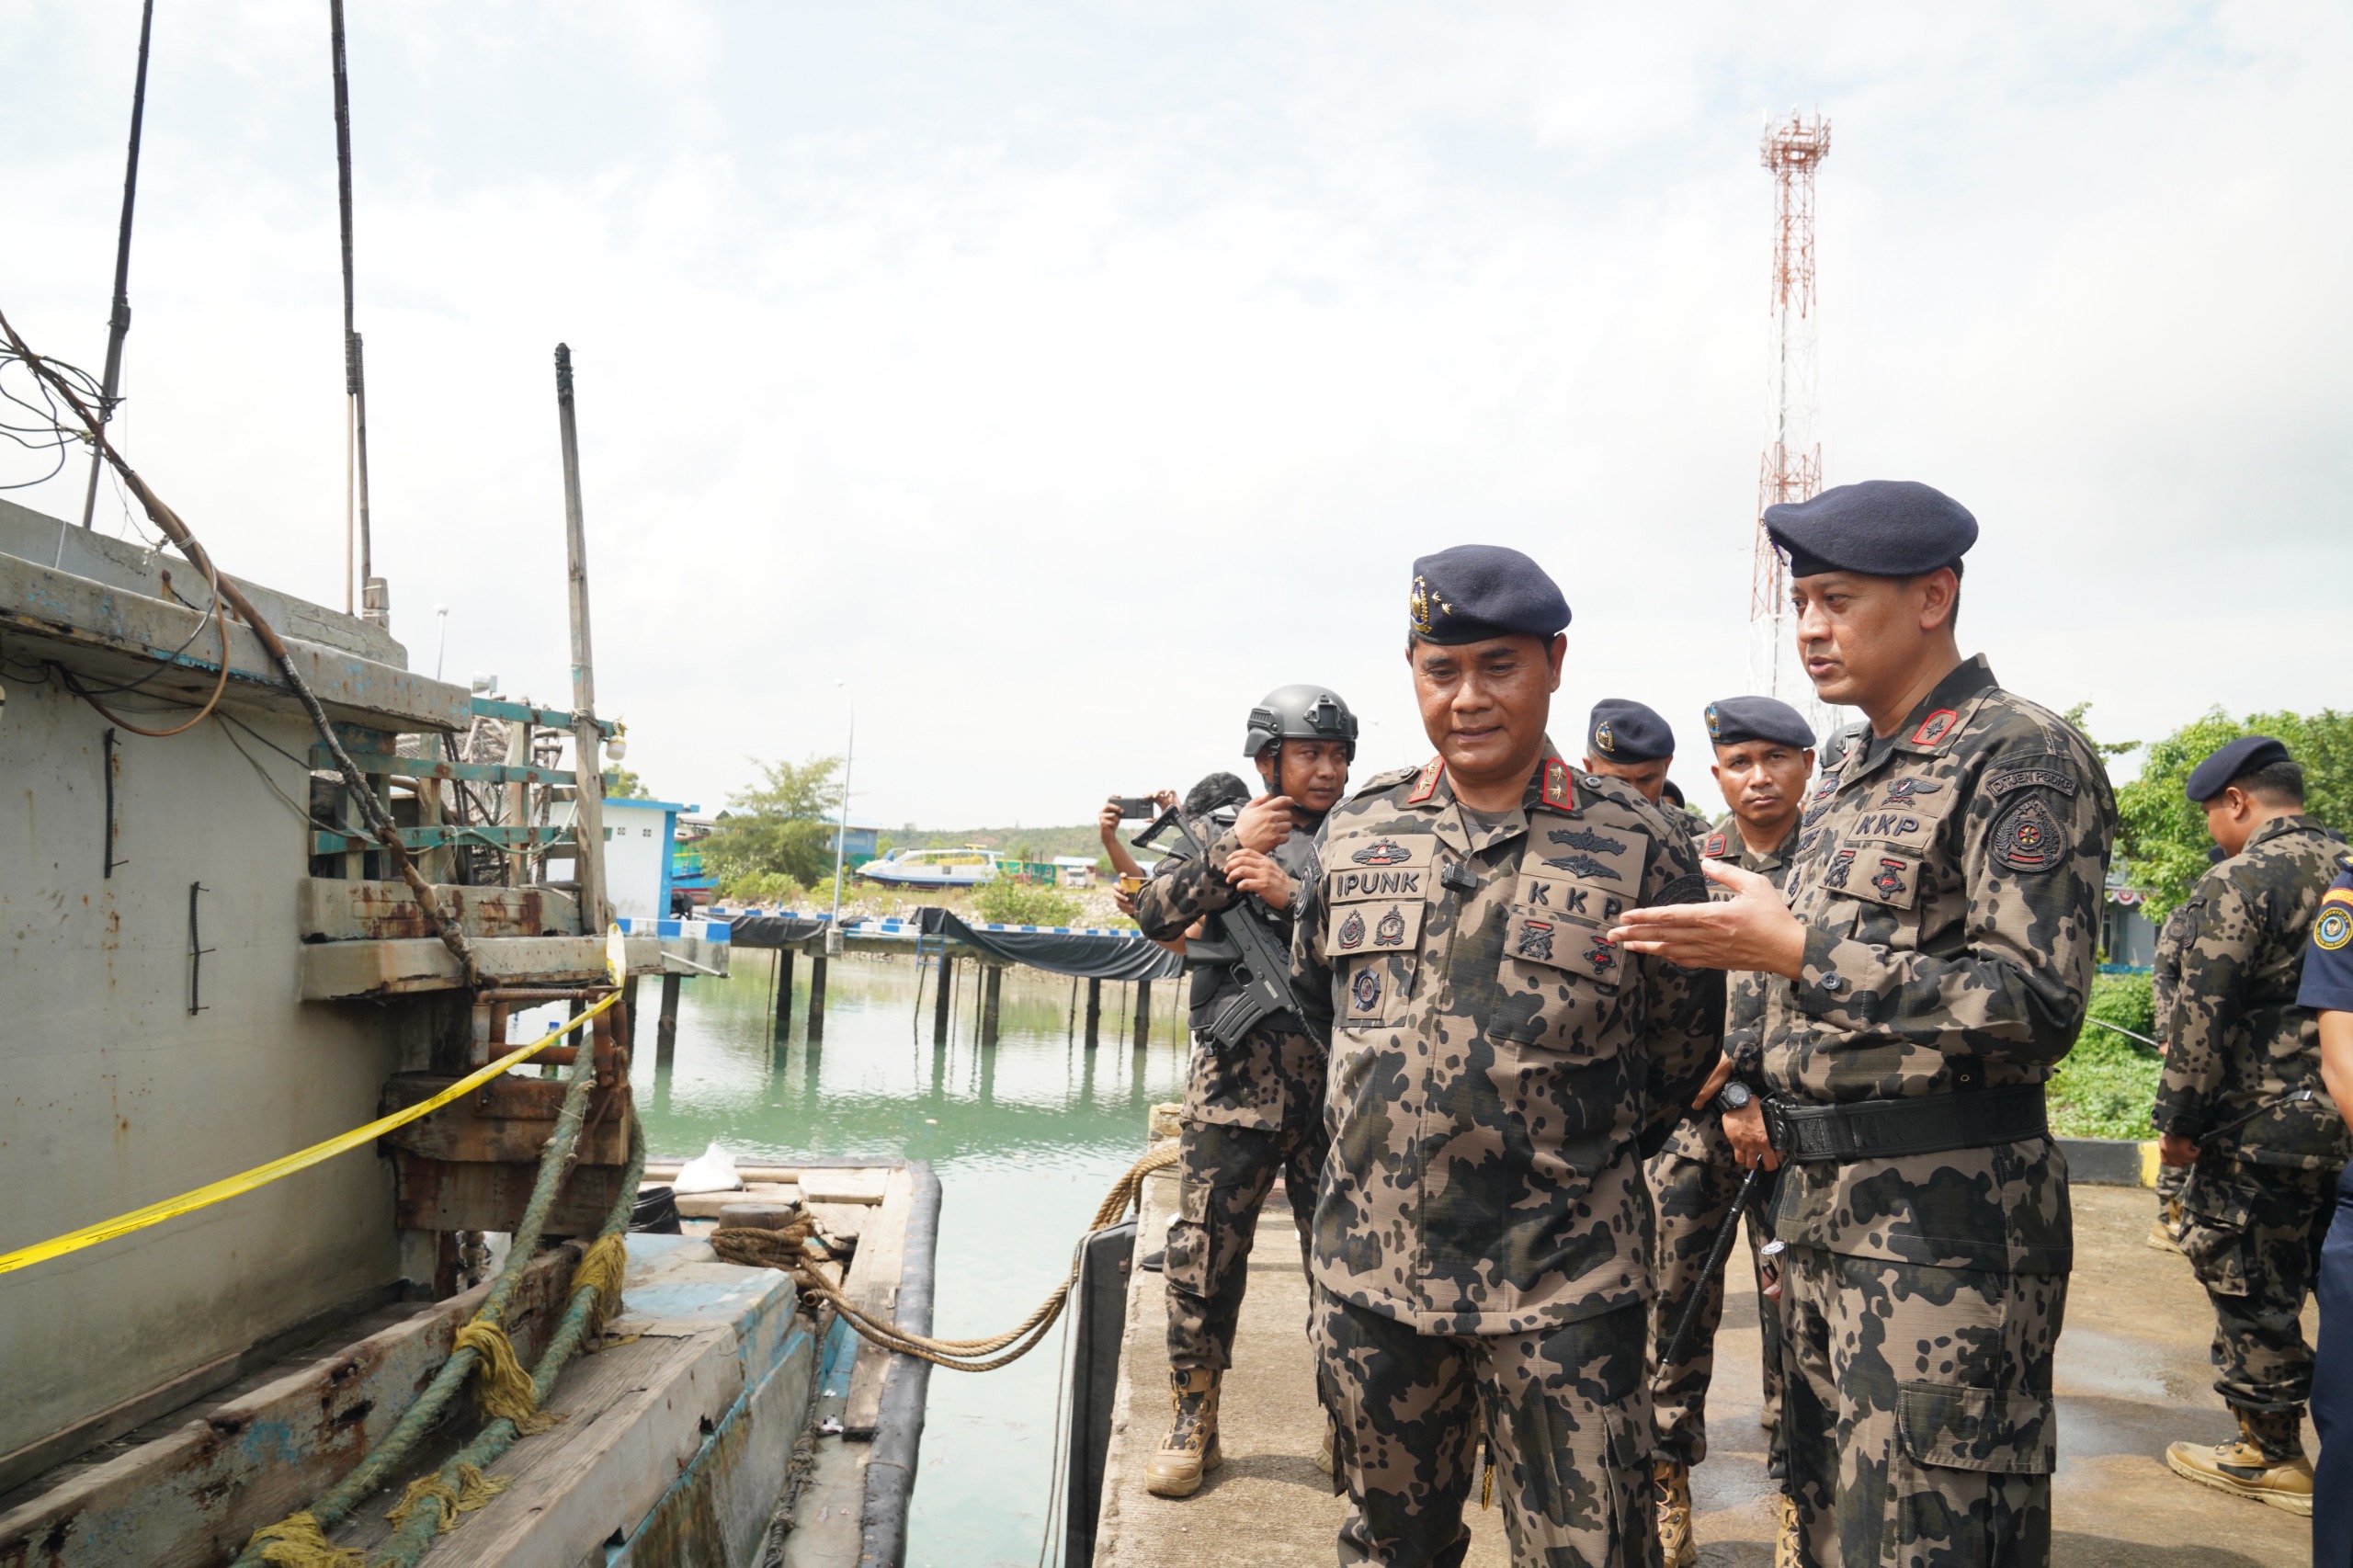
(2132, 1377)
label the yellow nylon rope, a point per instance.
(262, 1175)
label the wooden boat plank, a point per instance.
(873, 1285)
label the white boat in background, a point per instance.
(965, 868)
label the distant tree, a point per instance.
(783, 827)
(2162, 837)
(628, 786)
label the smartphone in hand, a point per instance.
(1136, 807)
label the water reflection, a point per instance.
(1025, 1138)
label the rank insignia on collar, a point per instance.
(1426, 785)
(1934, 727)
(1554, 790)
(1715, 849)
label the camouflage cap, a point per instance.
(1473, 592)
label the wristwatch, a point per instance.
(1734, 1096)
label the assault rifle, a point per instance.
(1257, 957)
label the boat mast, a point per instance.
(587, 739)
(355, 377)
(118, 320)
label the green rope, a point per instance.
(416, 1535)
(376, 1471)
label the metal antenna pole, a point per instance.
(118, 320)
(841, 826)
(587, 739)
(372, 599)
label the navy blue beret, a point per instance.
(1627, 731)
(1477, 591)
(1883, 528)
(1736, 719)
(2244, 755)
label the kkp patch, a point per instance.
(1934, 727)
(2332, 930)
(2027, 837)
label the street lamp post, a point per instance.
(841, 824)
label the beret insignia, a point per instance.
(2027, 837)
(1714, 728)
(1602, 738)
(2332, 930)
(1421, 602)
(1934, 727)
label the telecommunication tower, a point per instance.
(1791, 470)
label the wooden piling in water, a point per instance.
(940, 1003)
(783, 990)
(665, 1034)
(1144, 1013)
(989, 985)
(1093, 1011)
(817, 965)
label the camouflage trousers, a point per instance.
(1693, 1197)
(1566, 1413)
(2169, 1184)
(1917, 1412)
(2253, 1233)
(1224, 1174)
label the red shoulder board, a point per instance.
(1715, 848)
(1426, 785)
(1934, 727)
(1554, 790)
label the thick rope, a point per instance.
(296, 1541)
(504, 1391)
(787, 1250)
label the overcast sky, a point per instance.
(1064, 377)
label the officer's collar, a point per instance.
(2279, 827)
(1548, 786)
(1929, 728)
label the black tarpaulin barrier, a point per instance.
(771, 930)
(1093, 955)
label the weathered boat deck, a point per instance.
(2132, 1377)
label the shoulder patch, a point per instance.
(1426, 785)
(1715, 847)
(2037, 773)
(2026, 837)
(1934, 727)
(1554, 790)
(2332, 930)
(1689, 888)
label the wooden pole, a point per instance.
(519, 805)
(989, 990)
(1094, 1012)
(939, 1005)
(118, 319)
(1143, 1014)
(588, 738)
(629, 1006)
(784, 990)
(666, 1035)
(816, 998)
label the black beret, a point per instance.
(1627, 731)
(1669, 790)
(1883, 528)
(2241, 756)
(1736, 719)
(1477, 591)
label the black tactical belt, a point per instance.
(1926, 1124)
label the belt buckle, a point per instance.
(1776, 1127)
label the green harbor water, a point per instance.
(1025, 1139)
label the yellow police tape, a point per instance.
(262, 1175)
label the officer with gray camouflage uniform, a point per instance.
(1254, 1109)
(1482, 1240)
(2241, 1099)
(1927, 968)
(2164, 975)
(1764, 758)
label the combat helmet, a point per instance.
(1299, 713)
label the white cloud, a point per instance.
(1065, 379)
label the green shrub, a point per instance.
(2105, 1088)
(1008, 903)
(2125, 1001)
(763, 886)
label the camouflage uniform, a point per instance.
(1482, 1240)
(2165, 977)
(1251, 1114)
(1693, 1180)
(1951, 879)
(2257, 1206)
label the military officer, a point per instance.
(1482, 1240)
(2242, 1101)
(2326, 992)
(2165, 973)
(1254, 1107)
(1764, 751)
(1925, 971)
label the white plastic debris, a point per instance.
(831, 1426)
(713, 1170)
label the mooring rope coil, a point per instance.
(787, 1250)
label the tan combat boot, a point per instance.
(1191, 1450)
(2266, 1463)
(1786, 1540)
(1677, 1549)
